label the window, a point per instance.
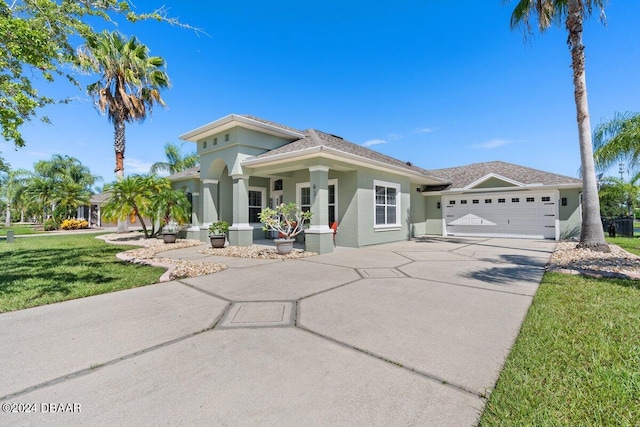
(530, 199)
(256, 200)
(303, 197)
(438, 205)
(564, 201)
(452, 202)
(386, 204)
(226, 137)
(332, 203)
(546, 199)
(277, 185)
(463, 202)
(475, 201)
(515, 200)
(487, 200)
(215, 141)
(501, 200)
(204, 144)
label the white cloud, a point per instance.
(489, 145)
(425, 130)
(136, 166)
(371, 142)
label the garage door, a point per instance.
(512, 214)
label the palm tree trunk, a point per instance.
(7, 217)
(591, 234)
(119, 145)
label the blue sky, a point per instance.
(434, 82)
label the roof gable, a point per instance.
(493, 180)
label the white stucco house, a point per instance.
(247, 163)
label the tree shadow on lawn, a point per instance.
(51, 267)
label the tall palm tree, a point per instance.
(618, 140)
(129, 85)
(176, 162)
(572, 13)
(11, 185)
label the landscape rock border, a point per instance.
(617, 264)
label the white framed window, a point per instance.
(386, 204)
(257, 198)
(303, 198)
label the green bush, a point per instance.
(50, 225)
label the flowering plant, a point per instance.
(288, 220)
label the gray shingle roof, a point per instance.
(462, 176)
(267, 122)
(193, 172)
(316, 138)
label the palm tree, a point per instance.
(129, 85)
(618, 197)
(41, 191)
(176, 162)
(573, 12)
(130, 195)
(11, 185)
(618, 140)
(146, 197)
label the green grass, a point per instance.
(18, 230)
(576, 360)
(628, 244)
(42, 270)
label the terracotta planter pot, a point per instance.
(217, 240)
(169, 237)
(284, 246)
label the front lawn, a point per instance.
(42, 270)
(576, 360)
(19, 230)
(627, 243)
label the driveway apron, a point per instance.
(407, 333)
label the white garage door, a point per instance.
(508, 214)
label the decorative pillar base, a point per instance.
(241, 235)
(319, 240)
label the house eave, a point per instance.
(233, 120)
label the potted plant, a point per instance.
(170, 232)
(288, 220)
(218, 233)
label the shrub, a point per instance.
(50, 225)
(73, 224)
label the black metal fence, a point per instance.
(621, 226)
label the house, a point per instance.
(247, 163)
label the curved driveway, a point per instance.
(408, 333)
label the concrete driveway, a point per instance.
(408, 333)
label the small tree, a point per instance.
(287, 219)
(147, 197)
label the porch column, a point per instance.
(209, 200)
(240, 233)
(319, 237)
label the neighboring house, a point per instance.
(247, 163)
(95, 216)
